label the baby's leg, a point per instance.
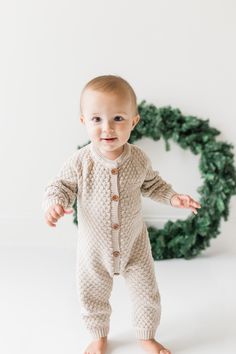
(141, 281)
(94, 287)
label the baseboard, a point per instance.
(149, 219)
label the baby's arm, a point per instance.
(154, 186)
(159, 190)
(61, 192)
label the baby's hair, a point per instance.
(111, 84)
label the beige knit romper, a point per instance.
(112, 236)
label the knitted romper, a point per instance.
(112, 236)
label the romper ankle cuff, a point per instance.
(97, 333)
(142, 334)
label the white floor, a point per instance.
(39, 311)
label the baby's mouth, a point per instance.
(109, 139)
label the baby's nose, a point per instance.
(107, 127)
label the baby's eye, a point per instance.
(96, 119)
(118, 118)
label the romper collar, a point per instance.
(107, 162)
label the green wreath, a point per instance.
(187, 238)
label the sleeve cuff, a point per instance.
(52, 201)
(168, 196)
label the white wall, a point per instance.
(178, 53)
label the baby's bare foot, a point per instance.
(151, 346)
(97, 346)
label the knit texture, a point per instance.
(112, 236)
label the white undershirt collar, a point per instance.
(110, 163)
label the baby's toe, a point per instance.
(165, 351)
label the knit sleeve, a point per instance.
(155, 187)
(63, 188)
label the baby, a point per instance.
(108, 177)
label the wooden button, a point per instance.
(116, 253)
(114, 171)
(115, 226)
(115, 197)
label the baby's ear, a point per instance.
(82, 120)
(136, 119)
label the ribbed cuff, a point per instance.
(143, 334)
(168, 196)
(52, 201)
(97, 333)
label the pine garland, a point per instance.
(187, 238)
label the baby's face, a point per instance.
(109, 119)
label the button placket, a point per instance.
(115, 219)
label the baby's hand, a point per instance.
(185, 201)
(54, 213)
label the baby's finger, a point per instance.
(68, 211)
(50, 223)
(195, 204)
(55, 214)
(59, 210)
(51, 218)
(194, 211)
